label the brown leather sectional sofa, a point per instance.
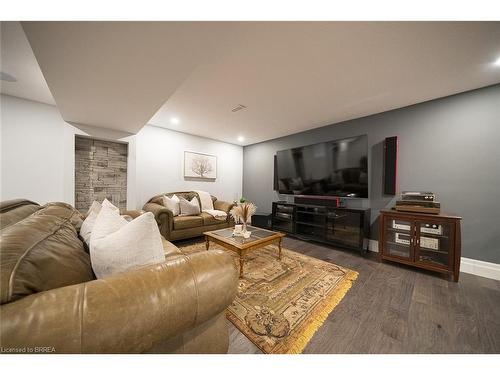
(51, 301)
(181, 227)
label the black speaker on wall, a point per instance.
(275, 175)
(390, 165)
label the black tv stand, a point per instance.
(344, 227)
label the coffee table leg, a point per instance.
(279, 249)
(241, 265)
(207, 242)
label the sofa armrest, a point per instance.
(164, 217)
(125, 313)
(223, 206)
(157, 210)
(132, 213)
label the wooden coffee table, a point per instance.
(257, 240)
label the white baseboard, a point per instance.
(480, 268)
(467, 265)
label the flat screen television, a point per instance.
(336, 168)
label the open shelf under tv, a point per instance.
(344, 227)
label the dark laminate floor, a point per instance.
(397, 309)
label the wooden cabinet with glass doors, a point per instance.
(427, 241)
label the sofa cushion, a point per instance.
(186, 222)
(209, 219)
(42, 252)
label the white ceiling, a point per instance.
(116, 75)
(291, 76)
(17, 59)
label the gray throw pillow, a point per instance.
(189, 208)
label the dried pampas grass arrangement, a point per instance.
(242, 212)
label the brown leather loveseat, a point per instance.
(51, 301)
(181, 227)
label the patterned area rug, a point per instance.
(281, 303)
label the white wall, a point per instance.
(37, 157)
(160, 160)
(32, 157)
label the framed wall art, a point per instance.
(200, 166)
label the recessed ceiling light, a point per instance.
(497, 62)
(241, 139)
(174, 120)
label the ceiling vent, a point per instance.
(239, 107)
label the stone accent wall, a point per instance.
(100, 172)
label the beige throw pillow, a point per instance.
(172, 204)
(189, 208)
(118, 246)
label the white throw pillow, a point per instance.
(189, 208)
(172, 204)
(107, 203)
(106, 222)
(88, 223)
(95, 207)
(119, 246)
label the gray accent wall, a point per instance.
(450, 146)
